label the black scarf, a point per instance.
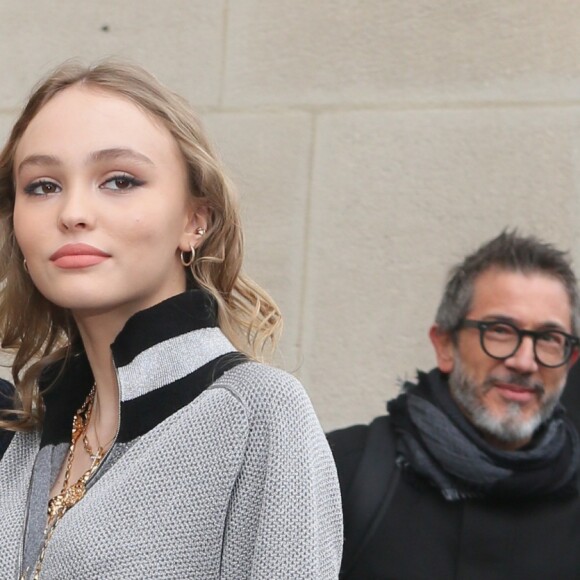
(437, 442)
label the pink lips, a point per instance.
(72, 256)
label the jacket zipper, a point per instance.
(21, 573)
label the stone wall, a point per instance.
(374, 143)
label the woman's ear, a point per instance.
(195, 227)
(444, 348)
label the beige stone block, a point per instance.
(7, 119)
(180, 41)
(6, 366)
(377, 51)
(268, 159)
(398, 198)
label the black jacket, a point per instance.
(421, 536)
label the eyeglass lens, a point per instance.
(502, 341)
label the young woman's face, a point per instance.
(102, 207)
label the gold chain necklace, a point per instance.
(71, 495)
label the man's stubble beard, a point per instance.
(511, 426)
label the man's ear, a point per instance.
(444, 348)
(573, 357)
(195, 227)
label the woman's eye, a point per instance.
(42, 188)
(121, 183)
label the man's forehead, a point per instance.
(529, 298)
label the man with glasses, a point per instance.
(474, 472)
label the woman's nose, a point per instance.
(76, 212)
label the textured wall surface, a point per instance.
(373, 142)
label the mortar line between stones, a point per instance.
(225, 32)
(306, 242)
(396, 107)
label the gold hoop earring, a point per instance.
(188, 262)
(25, 266)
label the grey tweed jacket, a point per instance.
(220, 468)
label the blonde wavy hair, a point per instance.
(40, 333)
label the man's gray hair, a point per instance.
(513, 253)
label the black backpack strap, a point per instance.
(6, 402)
(371, 492)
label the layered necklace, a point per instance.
(71, 494)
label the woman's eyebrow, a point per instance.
(39, 160)
(102, 155)
(119, 152)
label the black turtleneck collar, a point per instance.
(165, 356)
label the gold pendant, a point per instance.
(64, 501)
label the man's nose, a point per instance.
(524, 359)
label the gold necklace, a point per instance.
(102, 449)
(71, 495)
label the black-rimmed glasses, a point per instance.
(501, 340)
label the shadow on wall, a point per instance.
(571, 396)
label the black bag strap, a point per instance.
(6, 394)
(371, 492)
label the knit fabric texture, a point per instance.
(238, 483)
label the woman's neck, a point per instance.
(98, 333)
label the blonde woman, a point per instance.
(149, 442)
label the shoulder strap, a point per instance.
(6, 392)
(371, 492)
